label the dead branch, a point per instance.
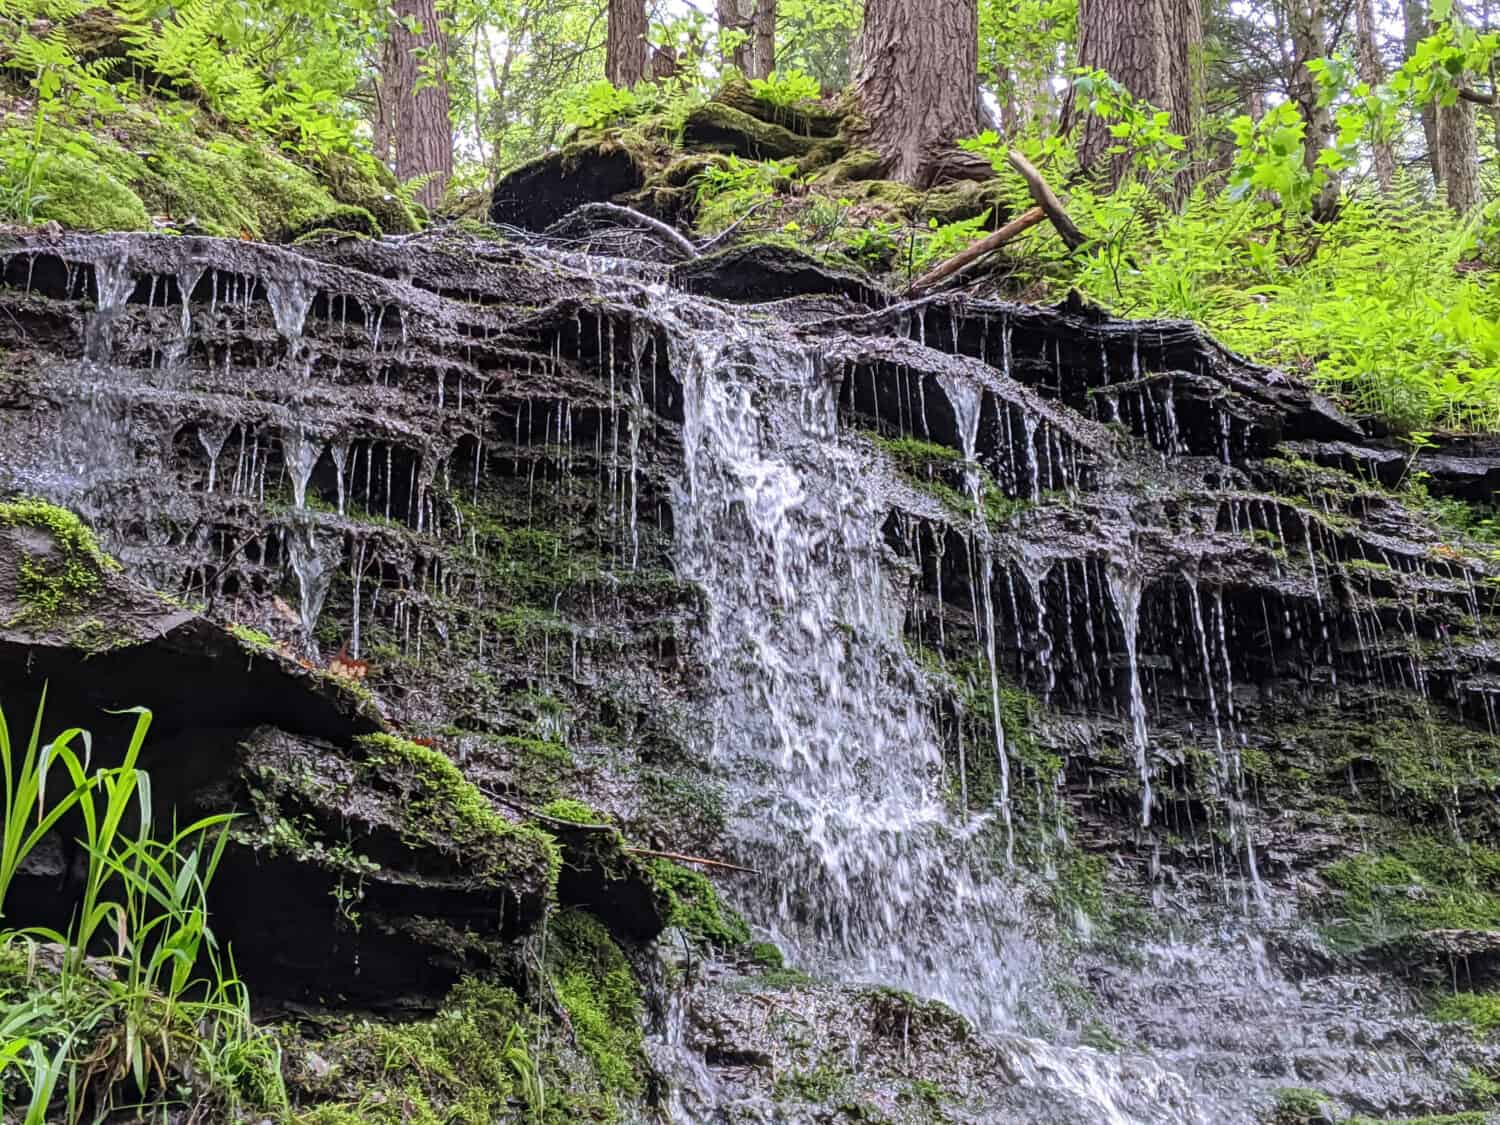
(1010, 230)
(1047, 200)
(692, 859)
(629, 217)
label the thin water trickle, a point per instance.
(1125, 592)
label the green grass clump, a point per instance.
(694, 905)
(444, 808)
(1480, 1010)
(166, 1021)
(59, 583)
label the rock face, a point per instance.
(1053, 667)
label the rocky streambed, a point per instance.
(1095, 726)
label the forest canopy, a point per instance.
(1313, 180)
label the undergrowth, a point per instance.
(135, 1003)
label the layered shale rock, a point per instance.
(1050, 666)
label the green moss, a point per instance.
(820, 1084)
(1298, 1106)
(1480, 1010)
(80, 195)
(766, 954)
(468, 1065)
(861, 164)
(722, 128)
(182, 169)
(341, 218)
(1421, 884)
(253, 639)
(694, 906)
(576, 812)
(62, 581)
(1437, 1119)
(443, 808)
(594, 984)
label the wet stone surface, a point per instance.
(1059, 671)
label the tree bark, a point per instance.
(1154, 49)
(1309, 34)
(1414, 16)
(763, 57)
(738, 15)
(916, 77)
(625, 51)
(414, 99)
(1458, 145)
(1458, 155)
(1372, 74)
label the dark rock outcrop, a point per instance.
(538, 194)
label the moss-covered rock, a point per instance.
(60, 566)
(443, 808)
(694, 906)
(716, 127)
(809, 119)
(342, 218)
(181, 171)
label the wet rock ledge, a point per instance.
(382, 531)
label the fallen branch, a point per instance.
(1047, 200)
(579, 826)
(692, 859)
(537, 814)
(1010, 230)
(628, 216)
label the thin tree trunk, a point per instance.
(625, 52)
(416, 85)
(1458, 145)
(1372, 73)
(1309, 34)
(1458, 155)
(916, 79)
(763, 58)
(1414, 16)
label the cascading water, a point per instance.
(869, 874)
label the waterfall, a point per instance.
(865, 873)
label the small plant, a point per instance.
(787, 89)
(163, 1012)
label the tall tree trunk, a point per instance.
(916, 78)
(415, 98)
(1185, 69)
(625, 51)
(763, 58)
(1414, 16)
(1372, 73)
(1153, 48)
(738, 15)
